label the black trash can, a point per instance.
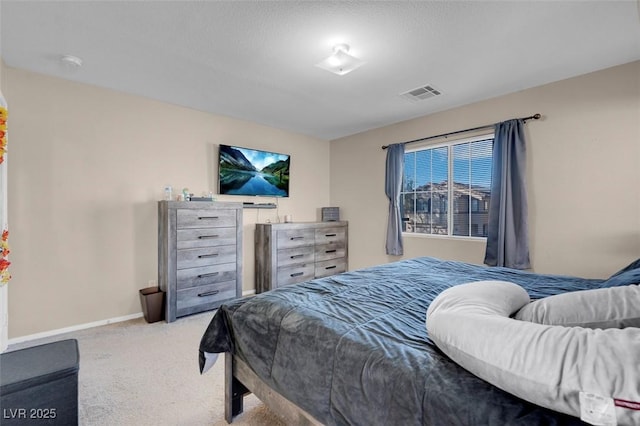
(152, 301)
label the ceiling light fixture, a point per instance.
(340, 62)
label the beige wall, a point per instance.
(583, 175)
(87, 167)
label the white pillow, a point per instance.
(613, 307)
(564, 369)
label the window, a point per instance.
(446, 188)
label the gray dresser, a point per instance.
(290, 253)
(199, 255)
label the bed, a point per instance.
(353, 349)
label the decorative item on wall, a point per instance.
(3, 131)
(4, 227)
(4, 241)
(4, 262)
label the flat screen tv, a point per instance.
(245, 171)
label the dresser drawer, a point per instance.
(296, 255)
(194, 277)
(205, 218)
(330, 267)
(330, 235)
(191, 258)
(295, 238)
(295, 274)
(205, 237)
(330, 251)
(204, 297)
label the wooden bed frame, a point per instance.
(240, 380)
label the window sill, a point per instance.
(444, 237)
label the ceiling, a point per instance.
(255, 60)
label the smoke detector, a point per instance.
(70, 62)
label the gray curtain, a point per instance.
(393, 186)
(508, 235)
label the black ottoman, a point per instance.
(39, 385)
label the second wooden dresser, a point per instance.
(290, 253)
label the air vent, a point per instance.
(421, 93)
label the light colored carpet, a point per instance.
(135, 373)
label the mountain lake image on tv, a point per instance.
(244, 171)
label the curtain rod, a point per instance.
(532, 117)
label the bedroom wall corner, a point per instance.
(584, 206)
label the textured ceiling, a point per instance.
(255, 60)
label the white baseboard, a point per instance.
(73, 328)
(88, 325)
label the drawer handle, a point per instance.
(330, 251)
(202, 256)
(296, 256)
(211, 274)
(208, 217)
(330, 235)
(296, 238)
(204, 237)
(297, 274)
(331, 267)
(209, 293)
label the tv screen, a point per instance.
(244, 171)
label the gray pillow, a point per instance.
(613, 307)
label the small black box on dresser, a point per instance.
(330, 214)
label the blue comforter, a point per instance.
(353, 349)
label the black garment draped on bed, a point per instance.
(352, 349)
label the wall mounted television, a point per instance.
(246, 171)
